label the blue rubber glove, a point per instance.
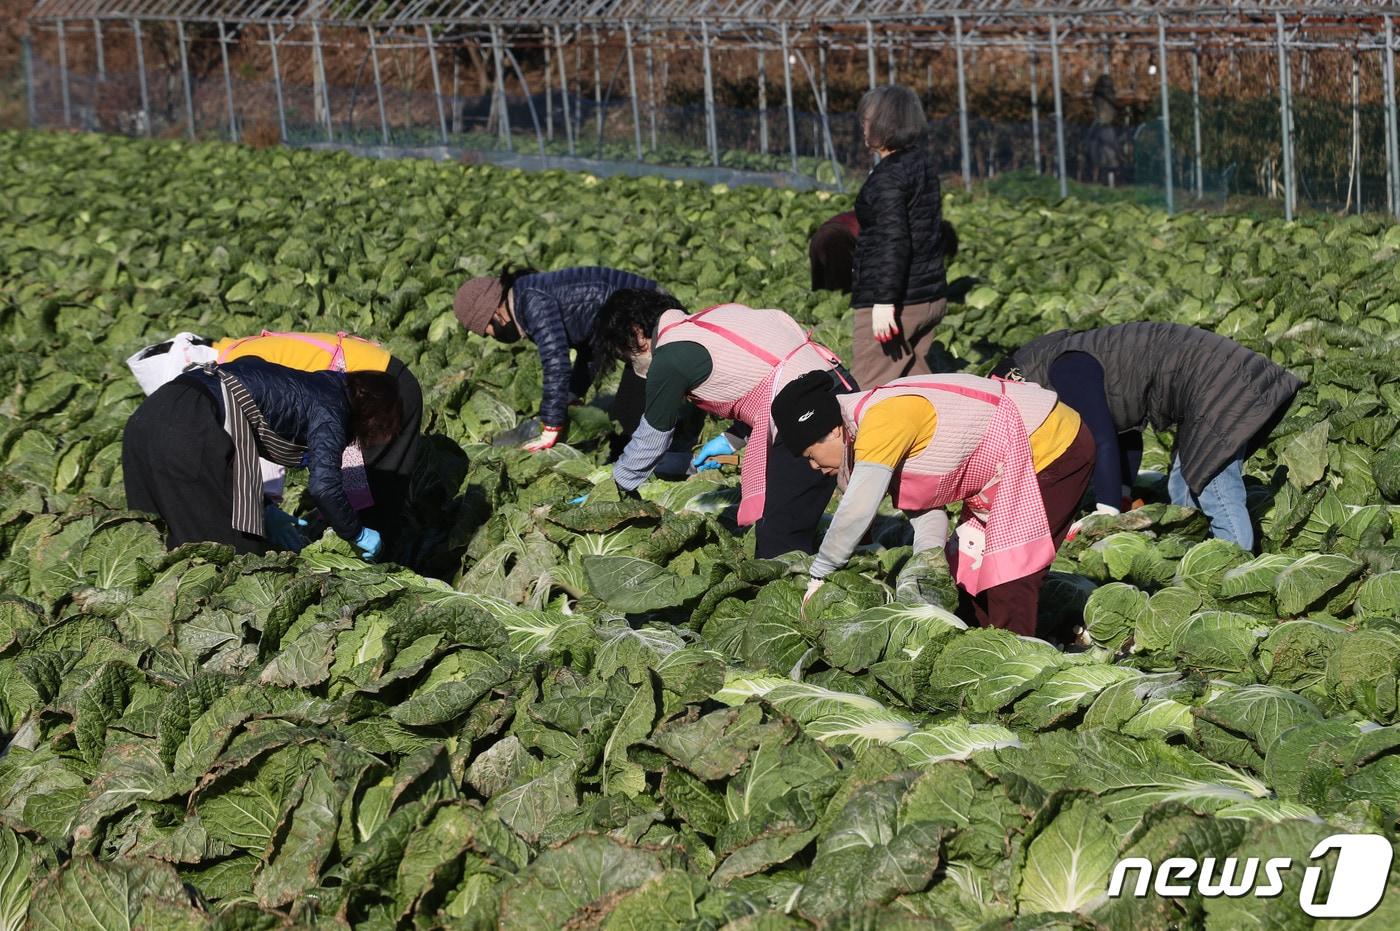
(368, 543)
(282, 529)
(719, 446)
(581, 499)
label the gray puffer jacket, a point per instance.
(1214, 393)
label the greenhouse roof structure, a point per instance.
(997, 16)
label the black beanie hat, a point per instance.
(806, 411)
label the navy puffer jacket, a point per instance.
(311, 409)
(556, 310)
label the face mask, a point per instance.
(507, 332)
(641, 364)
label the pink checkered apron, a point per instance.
(754, 405)
(1003, 534)
(353, 475)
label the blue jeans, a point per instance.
(1222, 501)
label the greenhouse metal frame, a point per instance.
(791, 27)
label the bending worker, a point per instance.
(556, 311)
(190, 451)
(1017, 458)
(1220, 398)
(832, 251)
(378, 485)
(729, 361)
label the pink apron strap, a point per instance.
(984, 396)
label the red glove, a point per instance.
(548, 437)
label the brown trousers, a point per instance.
(1013, 605)
(874, 363)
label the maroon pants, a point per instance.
(1012, 605)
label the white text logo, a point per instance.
(1358, 881)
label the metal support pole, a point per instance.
(1166, 110)
(564, 87)
(228, 85)
(31, 104)
(99, 47)
(63, 73)
(787, 87)
(598, 89)
(1285, 120)
(711, 134)
(825, 124)
(889, 61)
(1389, 159)
(1393, 172)
(821, 72)
(1059, 107)
(501, 87)
(1035, 114)
(1196, 119)
(185, 76)
(277, 85)
(320, 61)
(529, 100)
(632, 88)
(141, 75)
(651, 92)
(964, 138)
(437, 82)
(762, 103)
(548, 88)
(378, 87)
(1356, 123)
(870, 51)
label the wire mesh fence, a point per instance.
(1211, 135)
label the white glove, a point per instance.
(882, 323)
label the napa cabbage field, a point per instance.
(611, 715)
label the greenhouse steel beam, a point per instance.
(277, 84)
(1166, 111)
(30, 103)
(632, 89)
(437, 82)
(185, 78)
(63, 72)
(1059, 108)
(228, 84)
(378, 88)
(787, 87)
(141, 77)
(1392, 133)
(1285, 109)
(963, 137)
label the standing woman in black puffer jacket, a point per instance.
(899, 276)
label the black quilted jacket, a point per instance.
(556, 310)
(310, 409)
(899, 259)
(1217, 395)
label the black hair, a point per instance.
(896, 116)
(948, 238)
(376, 411)
(628, 310)
(512, 273)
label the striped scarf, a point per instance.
(252, 437)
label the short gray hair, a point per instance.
(896, 117)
